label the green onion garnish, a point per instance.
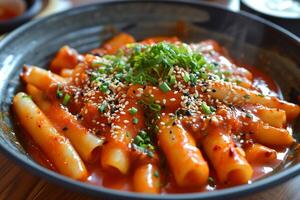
(104, 88)
(261, 95)
(172, 79)
(247, 96)
(66, 99)
(205, 108)
(59, 92)
(155, 107)
(186, 77)
(101, 70)
(102, 107)
(135, 120)
(165, 87)
(138, 140)
(133, 110)
(249, 115)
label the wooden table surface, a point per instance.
(17, 183)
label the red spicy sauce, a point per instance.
(97, 176)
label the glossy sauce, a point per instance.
(112, 179)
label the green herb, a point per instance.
(26, 96)
(143, 143)
(102, 107)
(172, 79)
(261, 95)
(138, 140)
(133, 110)
(101, 70)
(128, 134)
(249, 115)
(135, 120)
(212, 109)
(66, 99)
(96, 64)
(203, 75)
(226, 79)
(186, 77)
(211, 182)
(238, 82)
(247, 96)
(153, 62)
(104, 87)
(205, 108)
(165, 87)
(59, 92)
(155, 107)
(156, 174)
(150, 154)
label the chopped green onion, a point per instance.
(138, 140)
(247, 96)
(128, 134)
(135, 120)
(133, 110)
(212, 109)
(150, 154)
(172, 79)
(93, 77)
(165, 87)
(104, 87)
(66, 99)
(205, 108)
(26, 96)
(119, 75)
(211, 182)
(102, 107)
(203, 75)
(261, 95)
(249, 115)
(59, 93)
(156, 174)
(155, 107)
(96, 64)
(186, 77)
(101, 70)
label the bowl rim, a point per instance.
(93, 190)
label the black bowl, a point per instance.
(33, 7)
(249, 39)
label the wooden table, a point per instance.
(17, 183)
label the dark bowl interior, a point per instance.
(33, 7)
(249, 40)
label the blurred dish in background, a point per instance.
(289, 9)
(11, 8)
(14, 13)
(285, 13)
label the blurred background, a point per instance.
(285, 13)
